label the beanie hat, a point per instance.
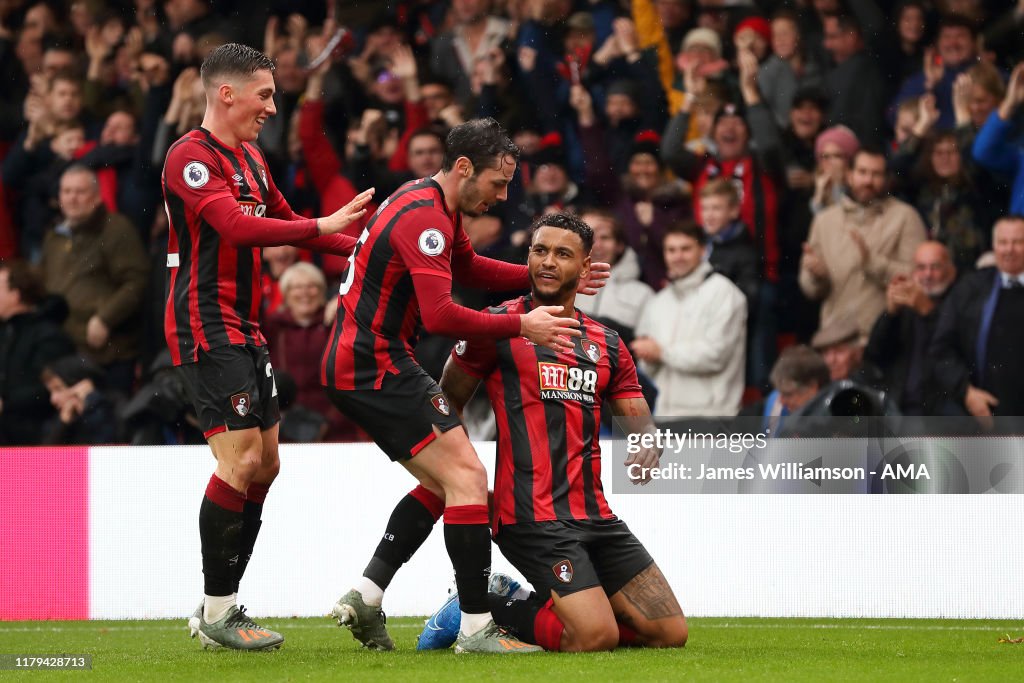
(703, 36)
(842, 137)
(758, 25)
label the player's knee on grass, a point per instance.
(593, 635)
(671, 632)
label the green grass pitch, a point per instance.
(720, 649)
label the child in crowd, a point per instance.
(730, 249)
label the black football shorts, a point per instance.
(568, 556)
(231, 388)
(400, 416)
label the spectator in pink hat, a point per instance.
(834, 150)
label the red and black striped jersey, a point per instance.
(548, 410)
(213, 284)
(411, 235)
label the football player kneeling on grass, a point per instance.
(596, 585)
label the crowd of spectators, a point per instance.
(839, 182)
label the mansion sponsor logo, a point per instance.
(560, 382)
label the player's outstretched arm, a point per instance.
(458, 385)
(240, 230)
(491, 275)
(194, 181)
(442, 316)
(634, 417)
(225, 216)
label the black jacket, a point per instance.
(736, 258)
(97, 424)
(891, 348)
(956, 334)
(27, 342)
(857, 97)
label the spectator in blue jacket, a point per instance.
(955, 52)
(994, 149)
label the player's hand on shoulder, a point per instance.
(346, 215)
(543, 327)
(599, 274)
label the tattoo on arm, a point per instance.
(650, 593)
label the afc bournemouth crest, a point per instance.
(591, 349)
(441, 404)
(563, 571)
(240, 404)
(263, 175)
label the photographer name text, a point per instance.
(786, 471)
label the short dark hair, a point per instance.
(482, 141)
(958, 21)
(67, 75)
(846, 22)
(802, 366)
(618, 230)
(437, 80)
(786, 14)
(427, 132)
(870, 150)
(72, 369)
(22, 278)
(55, 42)
(689, 228)
(232, 60)
(570, 222)
(123, 110)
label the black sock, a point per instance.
(409, 526)
(252, 515)
(220, 532)
(251, 524)
(516, 616)
(467, 537)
